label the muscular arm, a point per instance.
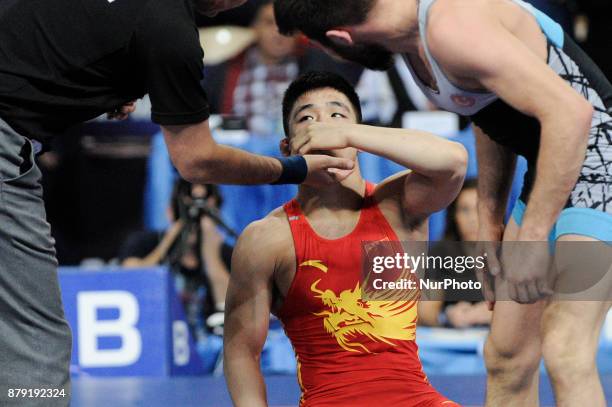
(248, 304)
(503, 64)
(438, 165)
(199, 159)
(496, 165)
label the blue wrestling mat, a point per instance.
(282, 391)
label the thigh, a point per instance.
(34, 336)
(583, 291)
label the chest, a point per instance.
(425, 74)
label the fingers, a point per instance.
(487, 283)
(339, 175)
(529, 292)
(326, 170)
(493, 262)
(545, 287)
(299, 146)
(298, 143)
(339, 163)
(122, 112)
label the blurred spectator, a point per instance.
(253, 83)
(457, 308)
(194, 250)
(593, 30)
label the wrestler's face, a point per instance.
(325, 105)
(211, 8)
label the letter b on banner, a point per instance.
(90, 328)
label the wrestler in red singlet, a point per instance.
(350, 352)
(355, 345)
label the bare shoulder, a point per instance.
(263, 243)
(459, 10)
(458, 32)
(265, 234)
(390, 189)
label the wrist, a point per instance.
(294, 170)
(352, 135)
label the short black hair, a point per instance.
(315, 80)
(315, 17)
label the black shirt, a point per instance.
(63, 62)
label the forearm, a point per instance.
(244, 379)
(422, 152)
(228, 165)
(561, 156)
(496, 165)
(199, 159)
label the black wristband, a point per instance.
(295, 170)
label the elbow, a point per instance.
(195, 167)
(585, 112)
(580, 112)
(188, 170)
(458, 161)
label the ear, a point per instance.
(340, 37)
(284, 147)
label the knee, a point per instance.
(567, 360)
(520, 359)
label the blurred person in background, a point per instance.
(251, 85)
(193, 248)
(457, 308)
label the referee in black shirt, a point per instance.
(66, 61)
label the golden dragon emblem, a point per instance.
(349, 316)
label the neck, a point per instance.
(393, 24)
(345, 195)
